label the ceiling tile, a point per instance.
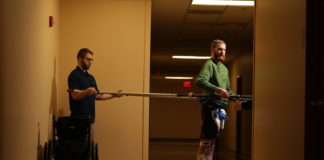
(202, 18)
(202, 7)
(226, 30)
(196, 29)
(235, 14)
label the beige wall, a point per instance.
(240, 66)
(118, 32)
(29, 57)
(174, 118)
(279, 76)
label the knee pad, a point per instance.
(206, 150)
(219, 117)
(205, 143)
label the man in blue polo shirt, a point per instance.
(82, 104)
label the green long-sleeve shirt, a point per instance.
(214, 75)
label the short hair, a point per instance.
(216, 42)
(83, 51)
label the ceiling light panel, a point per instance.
(190, 57)
(175, 77)
(222, 3)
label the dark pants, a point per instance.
(208, 128)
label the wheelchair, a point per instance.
(71, 140)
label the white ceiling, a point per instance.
(182, 29)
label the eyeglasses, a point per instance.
(89, 59)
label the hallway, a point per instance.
(39, 42)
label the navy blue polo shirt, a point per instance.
(85, 107)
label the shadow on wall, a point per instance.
(40, 150)
(43, 149)
(53, 105)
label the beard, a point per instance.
(85, 67)
(221, 58)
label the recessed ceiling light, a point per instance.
(222, 2)
(173, 77)
(190, 57)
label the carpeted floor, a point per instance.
(185, 150)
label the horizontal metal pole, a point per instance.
(171, 95)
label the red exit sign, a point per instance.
(187, 84)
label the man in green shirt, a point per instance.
(213, 78)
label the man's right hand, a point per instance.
(90, 91)
(222, 92)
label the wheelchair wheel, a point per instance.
(96, 152)
(46, 155)
(93, 151)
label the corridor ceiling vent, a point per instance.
(222, 2)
